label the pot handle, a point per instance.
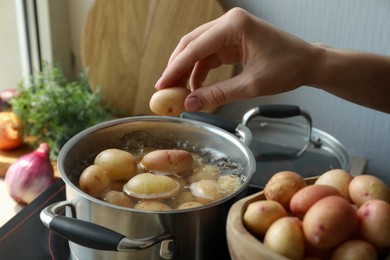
(95, 236)
(283, 111)
(241, 131)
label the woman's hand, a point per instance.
(272, 60)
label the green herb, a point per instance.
(53, 109)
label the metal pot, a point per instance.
(98, 230)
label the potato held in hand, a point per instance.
(169, 101)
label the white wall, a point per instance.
(10, 61)
(351, 24)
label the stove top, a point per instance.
(25, 237)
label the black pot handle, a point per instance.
(95, 236)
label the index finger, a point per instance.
(182, 63)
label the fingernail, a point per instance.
(193, 104)
(157, 85)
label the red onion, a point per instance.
(5, 97)
(30, 175)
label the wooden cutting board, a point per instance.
(126, 45)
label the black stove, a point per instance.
(25, 237)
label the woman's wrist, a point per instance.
(360, 77)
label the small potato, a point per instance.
(118, 198)
(307, 196)
(206, 191)
(355, 250)
(153, 205)
(183, 197)
(190, 204)
(367, 187)
(151, 186)
(229, 183)
(206, 172)
(118, 185)
(169, 101)
(168, 162)
(285, 237)
(329, 222)
(337, 178)
(374, 223)
(120, 165)
(259, 215)
(282, 186)
(95, 181)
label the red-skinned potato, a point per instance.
(259, 215)
(169, 162)
(329, 222)
(337, 178)
(355, 249)
(95, 181)
(374, 223)
(119, 164)
(367, 187)
(286, 238)
(307, 196)
(169, 101)
(282, 186)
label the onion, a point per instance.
(5, 97)
(30, 175)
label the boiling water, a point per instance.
(140, 143)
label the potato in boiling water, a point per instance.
(151, 186)
(206, 191)
(183, 197)
(169, 101)
(229, 183)
(152, 205)
(94, 181)
(190, 204)
(118, 198)
(120, 165)
(205, 172)
(168, 162)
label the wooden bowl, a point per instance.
(241, 243)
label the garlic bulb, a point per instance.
(30, 175)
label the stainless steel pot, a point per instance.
(98, 230)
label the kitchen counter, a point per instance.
(9, 207)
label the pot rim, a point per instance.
(151, 118)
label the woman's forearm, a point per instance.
(360, 77)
